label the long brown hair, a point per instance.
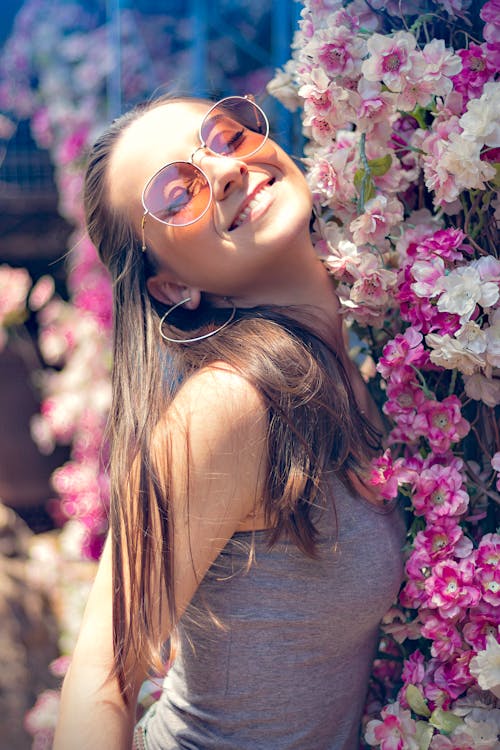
(314, 424)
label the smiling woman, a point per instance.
(241, 436)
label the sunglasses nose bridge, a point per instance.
(201, 147)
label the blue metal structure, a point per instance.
(209, 21)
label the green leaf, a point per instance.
(424, 734)
(496, 179)
(445, 721)
(380, 166)
(360, 176)
(416, 701)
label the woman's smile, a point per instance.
(255, 204)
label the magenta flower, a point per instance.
(446, 640)
(404, 349)
(384, 476)
(482, 621)
(404, 394)
(443, 538)
(414, 668)
(451, 588)
(438, 492)
(420, 312)
(441, 423)
(453, 677)
(445, 244)
(476, 71)
(414, 594)
(489, 580)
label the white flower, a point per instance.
(481, 122)
(462, 158)
(282, 87)
(481, 388)
(451, 353)
(484, 734)
(463, 290)
(472, 337)
(486, 666)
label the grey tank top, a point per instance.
(287, 663)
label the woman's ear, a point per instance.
(170, 292)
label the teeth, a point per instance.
(248, 208)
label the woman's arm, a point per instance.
(92, 713)
(216, 431)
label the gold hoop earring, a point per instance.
(195, 338)
(143, 222)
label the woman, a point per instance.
(243, 529)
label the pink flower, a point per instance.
(441, 423)
(438, 492)
(322, 130)
(413, 595)
(451, 588)
(489, 579)
(476, 71)
(414, 668)
(404, 394)
(14, 286)
(42, 717)
(442, 539)
(376, 105)
(73, 146)
(482, 620)
(96, 299)
(384, 475)
(396, 731)
(380, 215)
(454, 677)
(417, 89)
(42, 292)
(444, 243)
(434, 144)
(428, 275)
(404, 349)
(370, 296)
(390, 59)
(441, 64)
(488, 552)
(446, 640)
(338, 51)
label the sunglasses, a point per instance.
(180, 192)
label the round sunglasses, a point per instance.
(180, 192)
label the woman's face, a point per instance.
(224, 252)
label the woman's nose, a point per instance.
(225, 173)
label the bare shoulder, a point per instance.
(214, 437)
(217, 396)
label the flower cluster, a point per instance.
(402, 158)
(15, 284)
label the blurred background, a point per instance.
(67, 69)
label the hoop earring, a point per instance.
(143, 222)
(196, 338)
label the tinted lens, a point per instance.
(234, 127)
(178, 194)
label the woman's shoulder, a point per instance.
(217, 391)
